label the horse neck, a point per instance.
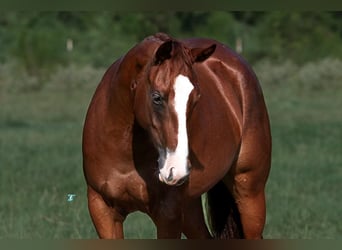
(126, 77)
(113, 115)
(121, 102)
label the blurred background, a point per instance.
(51, 63)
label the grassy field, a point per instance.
(41, 163)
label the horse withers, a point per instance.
(170, 121)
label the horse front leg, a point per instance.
(194, 226)
(168, 221)
(167, 216)
(107, 221)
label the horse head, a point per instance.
(163, 104)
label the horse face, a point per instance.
(170, 130)
(171, 94)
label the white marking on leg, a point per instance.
(177, 161)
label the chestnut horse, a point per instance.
(170, 121)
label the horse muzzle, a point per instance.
(172, 180)
(174, 169)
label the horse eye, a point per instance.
(157, 99)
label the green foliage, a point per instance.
(311, 77)
(38, 39)
(300, 36)
(40, 43)
(220, 26)
(14, 78)
(141, 25)
(100, 43)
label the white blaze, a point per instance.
(178, 160)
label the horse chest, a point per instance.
(127, 192)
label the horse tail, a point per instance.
(222, 213)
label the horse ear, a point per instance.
(200, 54)
(164, 52)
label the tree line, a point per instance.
(39, 40)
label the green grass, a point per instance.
(303, 191)
(40, 160)
(305, 181)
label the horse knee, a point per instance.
(107, 220)
(247, 186)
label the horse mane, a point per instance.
(179, 47)
(159, 37)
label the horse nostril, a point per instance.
(181, 181)
(170, 177)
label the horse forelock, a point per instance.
(179, 63)
(182, 53)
